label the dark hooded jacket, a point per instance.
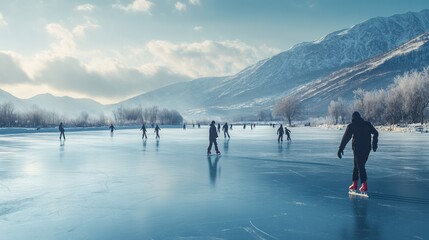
(213, 132)
(361, 132)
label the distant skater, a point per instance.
(218, 127)
(157, 129)
(361, 132)
(61, 128)
(112, 128)
(287, 132)
(184, 126)
(230, 127)
(280, 132)
(244, 126)
(143, 129)
(225, 130)
(212, 138)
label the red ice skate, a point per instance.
(208, 152)
(218, 152)
(364, 187)
(353, 186)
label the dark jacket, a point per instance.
(361, 132)
(213, 132)
(61, 128)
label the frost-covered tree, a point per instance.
(288, 108)
(413, 90)
(337, 109)
(374, 105)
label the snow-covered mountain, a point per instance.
(376, 73)
(260, 85)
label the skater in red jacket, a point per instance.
(361, 132)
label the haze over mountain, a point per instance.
(368, 55)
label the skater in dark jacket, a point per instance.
(112, 128)
(61, 128)
(157, 129)
(361, 132)
(225, 130)
(287, 132)
(280, 132)
(212, 138)
(143, 129)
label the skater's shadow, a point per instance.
(362, 228)
(214, 170)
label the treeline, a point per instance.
(37, 117)
(138, 115)
(405, 101)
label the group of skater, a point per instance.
(365, 139)
(363, 133)
(282, 132)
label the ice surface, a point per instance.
(97, 186)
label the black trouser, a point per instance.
(280, 138)
(212, 141)
(225, 133)
(360, 158)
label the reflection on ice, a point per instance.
(122, 187)
(214, 169)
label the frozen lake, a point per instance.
(97, 186)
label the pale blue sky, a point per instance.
(110, 50)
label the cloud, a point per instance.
(136, 6)
(85, 7)
(10, 71)
(80, 30)
(3, 22)
(117, 74)
(198, 28)
(66, 45)
(195, 2)
(70, 75)
(180, 6)
(207, 58)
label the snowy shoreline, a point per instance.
(409, 128)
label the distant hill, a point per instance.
(61, 105)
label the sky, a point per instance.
(111, 50)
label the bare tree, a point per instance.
(7, 114)
(288, 108)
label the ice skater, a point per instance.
(143, 129)
(157, 129)
(225, 130)
(218, 127)
(112, 128)
(361, 132)
(280, 132)
(61, 128)
(212, 138)
(184, 126)
(287, 132)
